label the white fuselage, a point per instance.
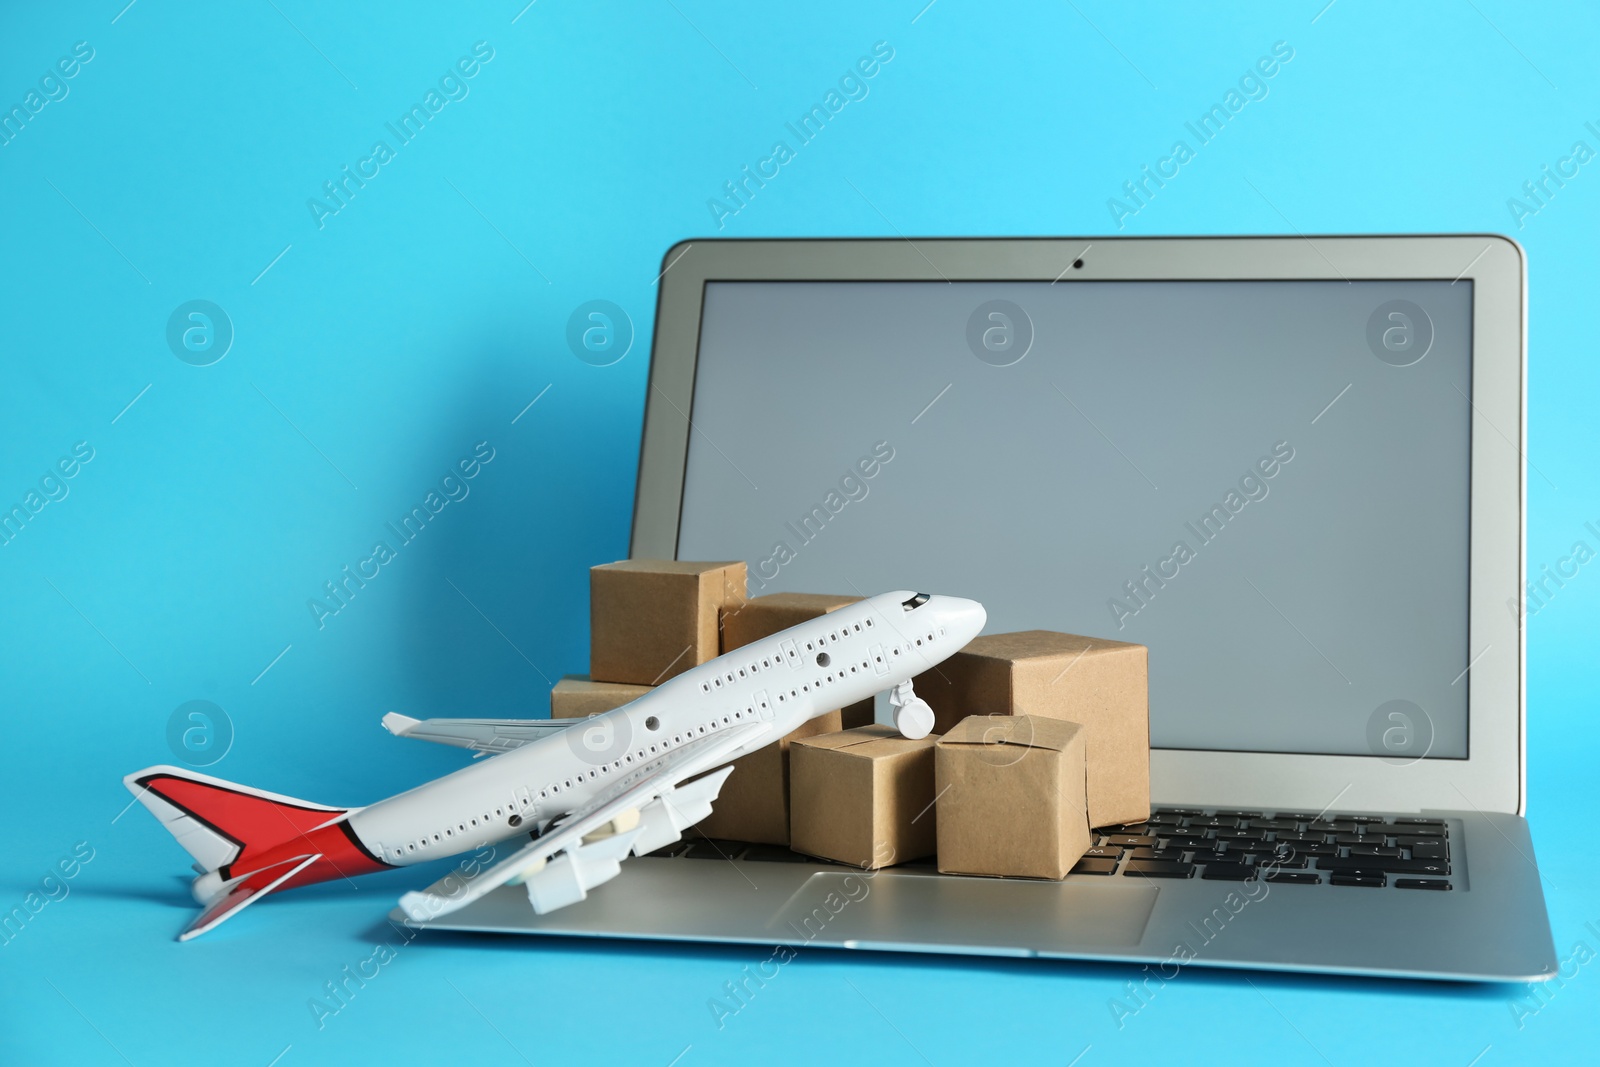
(781, 681)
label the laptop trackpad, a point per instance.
(894, 910)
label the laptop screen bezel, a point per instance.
(1491, 778)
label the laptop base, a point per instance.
(1490, 927)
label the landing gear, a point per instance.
(912, 715)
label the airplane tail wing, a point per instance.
(221, 824)
(247, 842)
(245, 891)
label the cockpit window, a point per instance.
(915, 602)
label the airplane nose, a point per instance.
(965, 618)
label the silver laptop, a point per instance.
(1291, 467)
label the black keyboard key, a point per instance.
(1313, 850)
(1241, 835)
(1095, 865)
(1422, 883)
(1369, 879)
(1436, 868)
(1174, 855)
(1348, 839)
(1131, 840)
(1302, 839)
(1365, 819)
(1274, 860)
(1189, 842)
(1413, 821)
(1293, 877)
(1298, 816)
(1177, 811)
(1158, 869)
(1419, 830)
(1237, 814)
(1375, 850)
(1409, 842)
(1125, 828)
(1273, 824)
(1228, 872)
(1431, 849)
(1326, 827)
(1202, 858)
(1104, 852)
(1212, 822)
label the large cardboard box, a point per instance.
(1101, 684)
(1011, 796)
(578, 697)
(863, 797)
(763, 616)
(650, 620)
(754, 802)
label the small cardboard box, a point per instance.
(863, 797)
(1102, 685)
(764, 616)
(577, 697)
(754, 802)
(1011, 796)
(652, 619)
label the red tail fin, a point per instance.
(226, 826)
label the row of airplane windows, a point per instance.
(822, 661)
(753, 668)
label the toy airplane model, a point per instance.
(588, 792)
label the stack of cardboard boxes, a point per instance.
(1039, 736)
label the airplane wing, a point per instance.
(483, 736)
(664, 805)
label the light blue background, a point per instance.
(427, 313)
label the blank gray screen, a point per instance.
(1094, 457)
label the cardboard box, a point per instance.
(1103, 685)
(863, 797)
(577, 697)
(652, 619)
(1011, 796)
(764, 616)
(754, 802)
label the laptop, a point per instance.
(1292, 467)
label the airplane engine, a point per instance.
(567, 878)
(663, 820)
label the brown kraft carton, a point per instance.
(577, 697)
(650, 620)
(1102, 685)
(1011, 797)
(863, 797)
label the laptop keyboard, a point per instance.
(1369, 851)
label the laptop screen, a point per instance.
(1265, 482)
